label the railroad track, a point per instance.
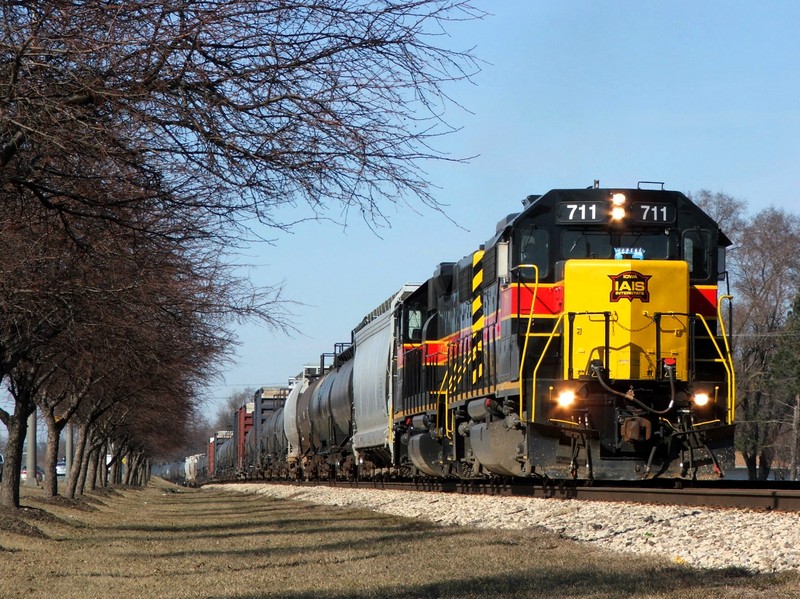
(727, 494)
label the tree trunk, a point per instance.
(54, 429)
(77, 461)
(113, 475)
(104, 471)
(129, 469)
(91, 471)
(136, 468)
(116, 450)
(17, 429)
(50, 458)
(764, 464)
(752, 465)
(87, 457)
(100, 466)
(795, 427)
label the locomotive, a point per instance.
(585, 340)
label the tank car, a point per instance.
(222, 456)
(292, 414)
(275, 446)
(584, 339)
(270, 444)
(336, 418)
(318, 418)
(196, 470)
(173, 472)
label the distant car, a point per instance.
(39, 474)
(61, 468)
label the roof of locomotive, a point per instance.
(549, 203)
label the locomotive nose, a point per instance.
(646, 301)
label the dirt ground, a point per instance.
(165, 541)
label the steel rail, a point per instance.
(756, 497)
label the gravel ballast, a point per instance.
(700, 537)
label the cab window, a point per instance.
(414, 325)
(696, 253)
(533, 247)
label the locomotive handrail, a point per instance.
(527, 332)
(727, 363)
(458, 369)
(536, 370)
(691, 360)
(439, 402)
(721, 321)
(606, 336)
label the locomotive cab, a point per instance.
(636, 332)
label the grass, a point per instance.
(164, 541)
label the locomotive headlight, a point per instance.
(618, 199)
(700, 399)
(565, 398)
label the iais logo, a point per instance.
(629, 285)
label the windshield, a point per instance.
(598, 244)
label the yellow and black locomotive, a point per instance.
(585, 339)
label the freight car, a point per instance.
(584, 339)
(171, 471)
(192, 471)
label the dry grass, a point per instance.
(164, 541)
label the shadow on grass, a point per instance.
(315, 551)
(542, 581)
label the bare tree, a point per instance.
(728, 211)
(767, 277)
(177, 123)
(764, 267)
(217, 112)
(783, 377)
(223, 419)
(77, 325)
(33, 310)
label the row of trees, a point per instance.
(139, 144)
(115, 335)
(764, 271)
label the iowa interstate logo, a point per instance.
(629, 285)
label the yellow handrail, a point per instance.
(527, 331)
(725, 362)
(536, 370)
(443, 390)
(732, 394)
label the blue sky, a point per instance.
(700, 95)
